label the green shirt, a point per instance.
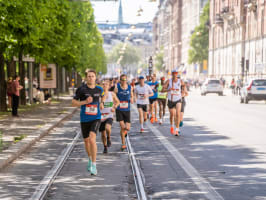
(161, 95)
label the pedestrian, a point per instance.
(110, 104)
(153, 99)
(162, 98)
(16, 87)
(125, 95)
(184, 93)
(9, 92)
(90, 99)
(233, 86)
(173, 88)
(238, 86)
(142, 93)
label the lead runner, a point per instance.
(90, 98)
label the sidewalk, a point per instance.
(18, 134)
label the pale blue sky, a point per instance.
(109, 11)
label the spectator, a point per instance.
(34, 93)
(9, 92)
(15, 95)
(233, 86)
(47, 97)
(40, 96)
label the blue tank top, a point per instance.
(154, 89)
(124, 98)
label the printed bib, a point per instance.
(91, 109)
(105, 116)
(108, 104)
(141, 96)
(124, 104)
(175, 92)
(162, 94)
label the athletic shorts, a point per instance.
(87, 127)
(183, 106)
(172, 104)
(143, 106)
(162, 101)
(152, 100)
(107, 121)
(122, 116)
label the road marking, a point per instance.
(202, 183)
(47, 181)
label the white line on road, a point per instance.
(202, 183)
(43, 187)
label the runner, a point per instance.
(125, 95)
(142, 92)
(184, 94)
(173, 88)
(153, 100)
(90, 98)
(162, 100)
(110, 104)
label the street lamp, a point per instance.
(150, 66)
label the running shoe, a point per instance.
(123, 147)
(181, 123)
(105, 150)
(142, 130)
(156, 120)
(89, 165)
(145, 119)
(125, 133)
(152, 120)
(93, 170)
(161, 122)
(172, 130)
(109, 143)
(177, 133)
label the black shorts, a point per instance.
(162, 101)
(87, 127)
(152, 100)
(172, 104)
(143, 106)
(122, 116)
(183, 106)
(107, 121)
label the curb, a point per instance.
(17, 150)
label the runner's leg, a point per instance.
(104, 140)
(87, 146)
(108, 128)
(93, 146)
(122, 132)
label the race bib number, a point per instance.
(91, 109)
(123, 104)
(108, 104)
(162, 93)
(105, 116)
(141, 96)
(175, 92)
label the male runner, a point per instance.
(184, 93)
(110, 104)
(125, 95)
(90, 98)
(162, 100)
(173, 88)
(142, 92)
(153, 100)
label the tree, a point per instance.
(199, 41)
(159, 59)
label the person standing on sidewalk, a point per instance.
(142, 93)
(125, 95)
(162, 96)
(90, 99)
(9, 92)
(110, 105)
(16, 87)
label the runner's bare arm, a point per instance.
(132, 96)
(76, 103)
(165, 86)
(184, 92)
(116, 100)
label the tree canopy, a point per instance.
(199, 41)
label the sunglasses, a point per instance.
(124, 79)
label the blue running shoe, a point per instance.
(93, 170)
(181, 124)
(89, 165)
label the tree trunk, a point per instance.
(66, 82)
(3, 106)
(60, 78)
(22, 79)
(11, 68)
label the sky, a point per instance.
(109, 11)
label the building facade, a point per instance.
(237, 42)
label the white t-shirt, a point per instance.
(141, 91)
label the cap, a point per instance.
(141, 77)
(163, 78)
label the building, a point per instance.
(173, 25)
(237, 43)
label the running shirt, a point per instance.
(89, 112)
(108, 105)
(124, 97)
(141, 91)
(161, 95)
(174, 93)
(154, 89)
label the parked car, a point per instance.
(254, 89)
(212, 86)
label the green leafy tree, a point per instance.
(199, 41)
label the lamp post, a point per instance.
(150, 66)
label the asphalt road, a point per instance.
(220, 154)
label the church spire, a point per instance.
(120, 13)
